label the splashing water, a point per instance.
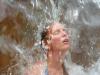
(22, 21)
(74, 69)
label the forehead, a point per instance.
(57, 26)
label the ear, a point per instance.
(48, 41)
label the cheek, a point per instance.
(56, 41)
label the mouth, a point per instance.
(65, 41)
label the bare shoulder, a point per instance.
(36, 69)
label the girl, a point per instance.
(56, 41)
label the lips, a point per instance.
(65, 41)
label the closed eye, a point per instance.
(56, 32)
(66, 30)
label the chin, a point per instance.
(66, 47)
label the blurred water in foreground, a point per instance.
(21, 21)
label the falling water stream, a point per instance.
(21, 21)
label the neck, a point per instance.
(55, 63)
(56, 58)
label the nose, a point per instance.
(64, 33)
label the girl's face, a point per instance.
(59, 37)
